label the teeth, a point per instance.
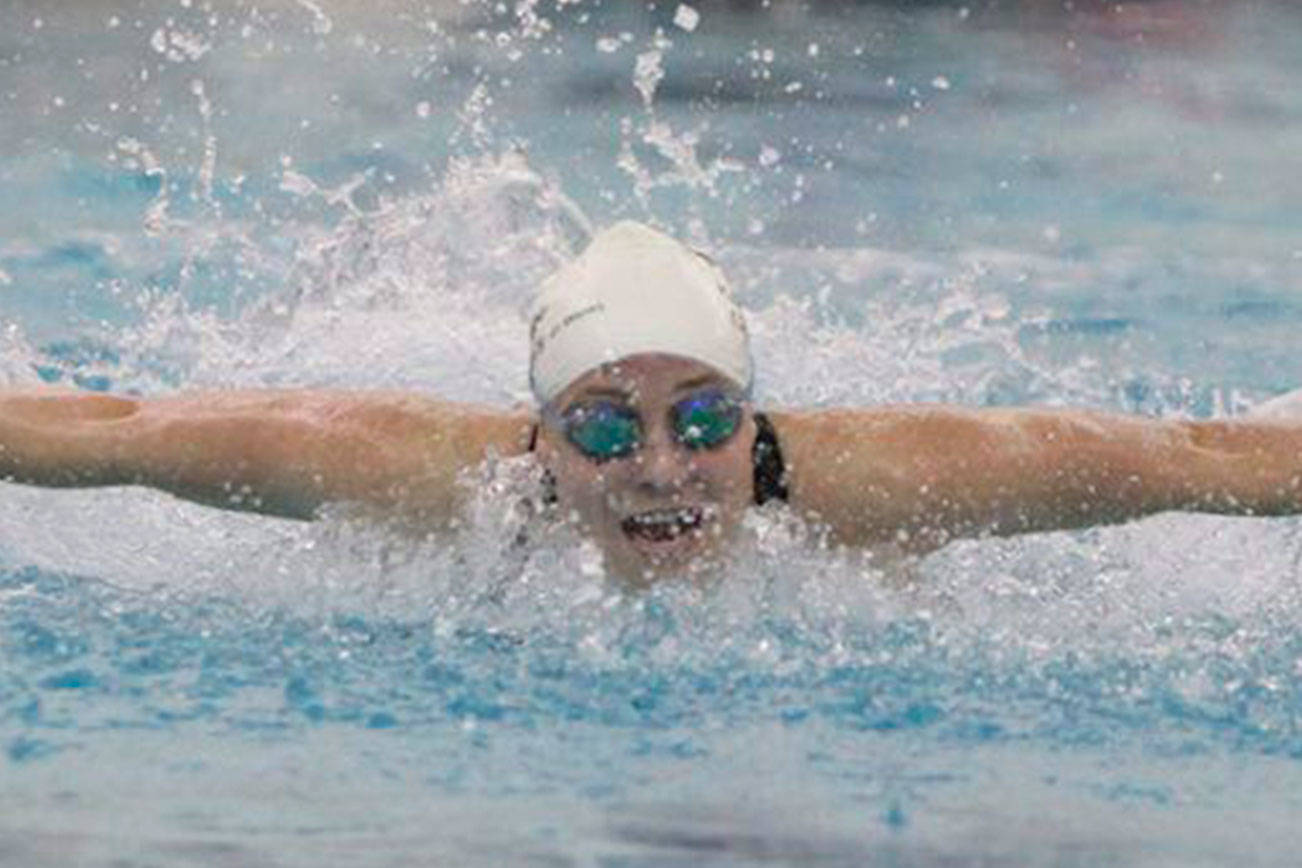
(677, 517)
(664, 524)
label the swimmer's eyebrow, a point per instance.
(698, 381)
(606, 392)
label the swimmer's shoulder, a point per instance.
(811, 435)
(857, 470)
(815, 443)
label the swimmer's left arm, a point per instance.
(922, 475)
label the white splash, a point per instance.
(321, 23)
(179, 46)
(686, 17)
(155, 219)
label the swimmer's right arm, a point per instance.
(922, 475)
(276, 452)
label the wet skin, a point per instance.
(915, 476)
(664, 509)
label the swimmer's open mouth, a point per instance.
(664, 525)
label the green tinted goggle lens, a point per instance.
(706, 419)
(604, 429)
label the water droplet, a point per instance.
(686, 18)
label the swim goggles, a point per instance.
(603, 429)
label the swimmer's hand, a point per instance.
(919, 476)
(279, 453)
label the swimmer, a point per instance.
(649, 441)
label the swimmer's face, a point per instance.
(664, 507)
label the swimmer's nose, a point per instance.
(662, 463)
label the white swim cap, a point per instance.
(634, 290)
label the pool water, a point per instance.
(987, 204)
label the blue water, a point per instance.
(987, 205)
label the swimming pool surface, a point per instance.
(988, 204)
